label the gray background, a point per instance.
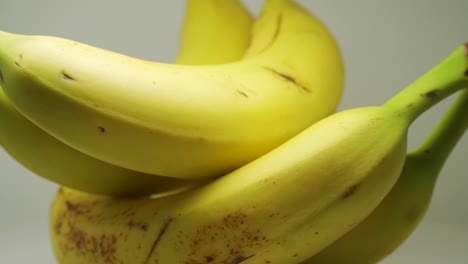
(386, 45)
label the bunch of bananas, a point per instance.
(232, 155)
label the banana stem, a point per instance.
(436, 148)
(446, 78)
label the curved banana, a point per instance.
(177, 120)
(281, 208)
(398, 215)
(214, 32)
(51, 159)
(265, 29)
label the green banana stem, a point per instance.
(436, 148)
(448, 77)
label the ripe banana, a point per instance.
(177, 120)
(265, 29)
(398, 215)
(214, 32)
(283, 207)
(51, 159)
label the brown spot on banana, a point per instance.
(103, 246)
(74, 240)
(350, 191)
(143, 226)
(242, 93)
(20, 56)
(431, 95)
(241, 259)
(209, 259)
(58, 224)
(158, 238)
(231, 233)
(66, 76)
(78, 208)
(289, 79)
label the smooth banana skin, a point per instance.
(177, 120)
(46, 156)
(265, 29)
(214, 32)
(49, 158)
(283, 207)
(398, 215)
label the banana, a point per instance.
(48, 157)
(398, 215)
(283, 207)
(53, 160)
(178, 121)
(214, 32)
(265, 29)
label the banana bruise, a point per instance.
(398, 215)
(51, 159)
(344, 165)
(176, 120)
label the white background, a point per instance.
(386, 45)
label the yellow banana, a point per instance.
(281, 208)
(48, 157)
(214, 32)
(177, 120)
(397, 216)
(265, 29)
